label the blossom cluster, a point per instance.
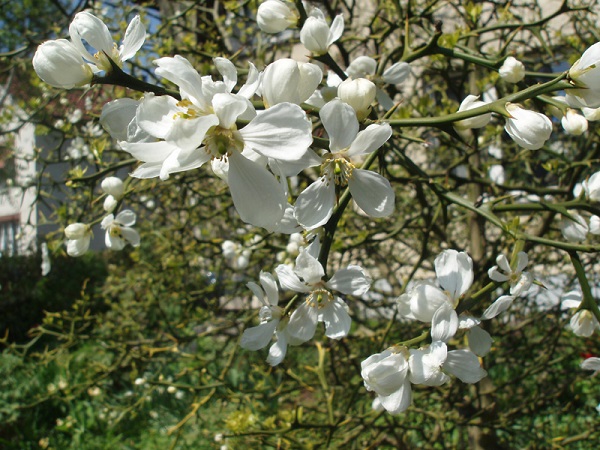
(332, 133)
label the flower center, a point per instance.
(102, 61)
(115, 231)
(319, 298)
(337, 168)
(221, 142)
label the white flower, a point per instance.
(286, 80)
(371, 192)
(271, 323)
(529, 129)
(454, 272)
(574, 123)
(60, 64)
(320, 305)
(519, 281)
(366, 67)
(585, 74)
(358, 93)
(386, 374)
(471, 102)
(89, 28)
(574, 230)
(592, 363)
(512, 70)
(78, 236)
(317, 36)
(65, 64)
(591, 186)
(583, 323)
(202, 127)
(591, 114)
(428, 366)
(114, 188)
(500, 305)
(119, 231)
(274, 16)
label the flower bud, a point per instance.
(591, 114)
(512, 71)
(529, 129)
(113, 186)
(471, 102)
(396, 73)
(317, 36)
(359, 94)
(585, 73)
(274, 16)
(574, 230)
(76, 230)
(110, 203)
(361, 67)
(286, 80)
(591, 186)
(574, 123)
(60, 64)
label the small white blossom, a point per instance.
(321, 305)
(386, 374)
(574, 230)
(592, 363)
(512, 70)
(519, 280)
(119, 231)
(583, 322)
(585, 74)
(274, 16)
(358, 93)
(317, 36)
(591, 187)
(78, 236)
(472, 102)
(529, 129)
(286, 80)
(574, 123)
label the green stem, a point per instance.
(588, 302)
(498, 106)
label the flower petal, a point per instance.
(134, 38)
(480, 341)
(289, 280)
(372, 193)
(498, 307)
(278, 349)
(303, 322)
(350, 281)
(454, 271)
(258, 337)
(339, 120)
(314, 205)
(399, 401)
(256, 194)
(336, 318)
(464, 365)
(282, 132)
(370, 139)
(308, 268)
